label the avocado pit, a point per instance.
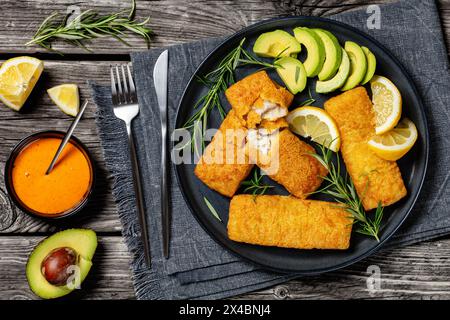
(55, 266)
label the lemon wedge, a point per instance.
(315, 123)
(66, 97)
(394, 144)
(18, 77)
(387, 104)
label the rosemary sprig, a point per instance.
(255, 185)
(89, 25)
(308, 101)
(343, 191)
(217, 81)
(212, 209)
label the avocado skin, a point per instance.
(371, 65)
(83, 241)
(333, 54)
(278, 39)
(358, 65)
(339, 79)
(315, 48)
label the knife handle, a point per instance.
(165, 215)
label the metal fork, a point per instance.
(126, 108)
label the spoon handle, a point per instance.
(67, 137)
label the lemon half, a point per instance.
(396, 143)
(18, 76)
(315, 123)
(66, 97)
(387, 104)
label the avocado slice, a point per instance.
(339, 79)
(333, 54)
(293, 74)
(274, 44)
(81, 241)
(358, 65)
(315, 48)
(371, 65)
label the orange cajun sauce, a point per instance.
(63, 188)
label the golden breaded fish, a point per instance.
(375, 179)
(288, 222)
(257, 97)
(286, 159)
(224, 163)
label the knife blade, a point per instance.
(160, 82)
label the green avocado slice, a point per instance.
(358, 65)
(333, 54)
(293, 74)
(315, 50)
(339, 79)
(83, 241)
(371, 65)
(278, 43)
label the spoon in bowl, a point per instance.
(67, 137)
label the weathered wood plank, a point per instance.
(41, 114)
(173, 21)
(416, 272)
(100, 214)
(110, 277)
(40, 108)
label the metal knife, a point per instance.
(160, 81)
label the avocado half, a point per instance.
(315, 48)
(358, 65)
(82, 241)
(274, 44)
(333, 54)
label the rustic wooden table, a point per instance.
(419, 271)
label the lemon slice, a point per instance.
(66, 97)
(396, 143)
(315, 123)
(18, 77)
(387, 103)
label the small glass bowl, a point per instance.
(16, 151)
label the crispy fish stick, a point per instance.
(224, 164)
(288, 222)
(286, 159)
(256, 98)
(375, 179)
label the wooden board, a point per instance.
(39, 114)
(413, 272)
(173, 21)
(110, 277)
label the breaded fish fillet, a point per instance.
(375, 179)
(224, 163)
(286, 159)
(257, 97)
(288, 222)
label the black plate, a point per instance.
(413, 166)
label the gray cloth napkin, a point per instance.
(200, 268)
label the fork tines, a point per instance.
(122, 85)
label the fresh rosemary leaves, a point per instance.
(343, 191)
(255, 185)
(217, 82)
(212, 209)
(308, 101)
(89, 25)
